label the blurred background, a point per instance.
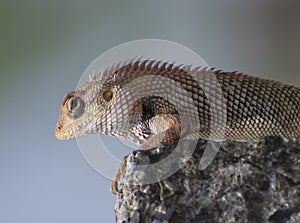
(46, 45)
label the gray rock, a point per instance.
(255, 182)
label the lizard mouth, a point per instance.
(63, 135)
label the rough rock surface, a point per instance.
(246, 182)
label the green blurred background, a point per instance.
(45, 47)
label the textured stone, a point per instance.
(255, 181)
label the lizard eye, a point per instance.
(75, 106)
(108, 95)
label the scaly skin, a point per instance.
(148, 102)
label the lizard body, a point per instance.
(127, 101)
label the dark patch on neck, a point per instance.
(155, 105)
(149, 109)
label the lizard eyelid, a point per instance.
(75, 106)
(73, 103)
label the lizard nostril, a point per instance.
(58, 127)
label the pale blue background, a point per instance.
(46, 45)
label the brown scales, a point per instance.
(148, 102)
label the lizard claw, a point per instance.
(114, 188)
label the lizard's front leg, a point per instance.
(165, 129)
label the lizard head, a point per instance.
(83, 109)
